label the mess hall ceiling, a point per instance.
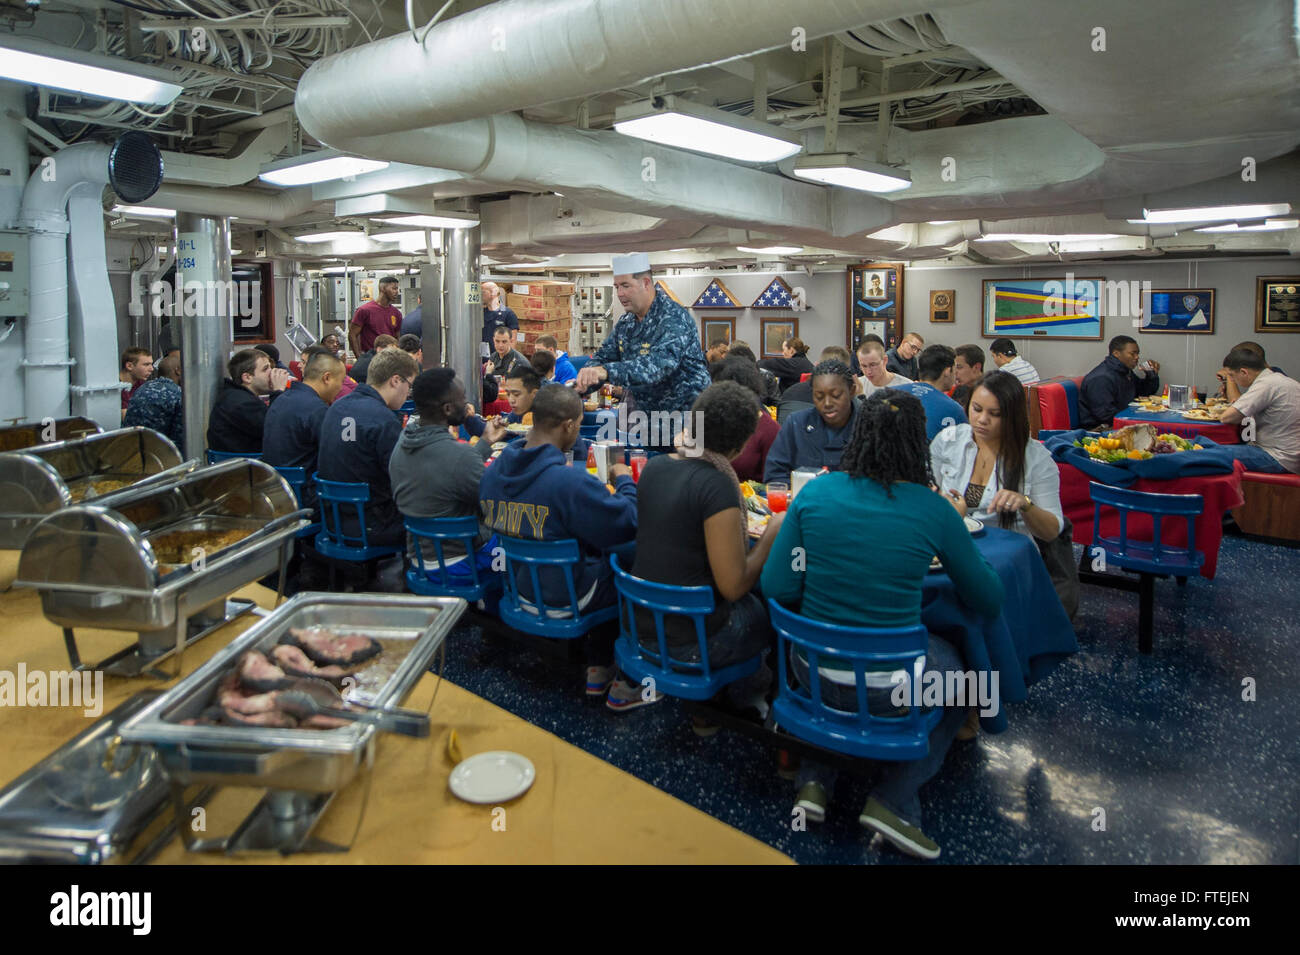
(1011, 116)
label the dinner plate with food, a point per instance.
(1204, 414)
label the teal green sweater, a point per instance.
(865, 555)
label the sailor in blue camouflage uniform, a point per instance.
(654, 350)
(157, 403)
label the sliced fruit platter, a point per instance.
(1134, 443)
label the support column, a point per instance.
(464, 309)
(203, 257)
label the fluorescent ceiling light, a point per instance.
(1268, 225)
(148, 212)
(328, 236)
(851, 172)
(673, 121)
(321, 166)
(443, 220)
(337, 269)
(1212, 213)
(1034, 237)
(772, 249)
(405, 236)
(27, 60)
(544, 264)
(941, 222)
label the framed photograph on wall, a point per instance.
(875, 301)
(713, 327)
(1184, 311)
(1277, 303)
(1065, 309)
(943, 305)
(775, 331)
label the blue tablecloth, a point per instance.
(1211, 459)
(1025, 642)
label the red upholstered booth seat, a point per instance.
(1054, 405)
(1272, 507)
(1284, 480)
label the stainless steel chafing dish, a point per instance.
(92, 801)
(40, 480)
(19, 436)
(301, 768)
(97, 565)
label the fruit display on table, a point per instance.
(1134, 443)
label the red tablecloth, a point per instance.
(1221, 493)
(1170, 423)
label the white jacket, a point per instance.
(952, 459)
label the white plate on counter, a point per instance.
(492, 777)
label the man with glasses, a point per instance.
(357, 437)
(903, 359)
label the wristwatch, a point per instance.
(1029, 502)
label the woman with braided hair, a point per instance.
(881, 495)
(817, 436)
(691, 531)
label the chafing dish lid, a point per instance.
(71, 804)
(106, 544)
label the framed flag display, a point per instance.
(875, 303)
(716, 295)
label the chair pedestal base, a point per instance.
(1145, 587)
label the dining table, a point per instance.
(578, 806)
(1025, 641)
(1219, 493)
(1172, 422)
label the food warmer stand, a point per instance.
(38, 481)
(300, 769)
(161, 558)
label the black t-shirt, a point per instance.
(674, 499)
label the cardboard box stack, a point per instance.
(543, 308)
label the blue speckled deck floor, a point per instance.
(1186, 771)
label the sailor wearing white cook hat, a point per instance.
(654, 349)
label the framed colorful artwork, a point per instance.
(1277, 303)
(774, 332)
(1066, 309)
(1187, 311)
(875, 303)
(713, 327)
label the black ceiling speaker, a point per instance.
(135, 167)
